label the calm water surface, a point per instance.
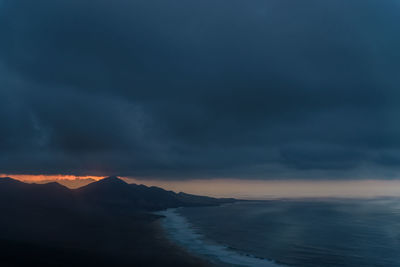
(307, 233)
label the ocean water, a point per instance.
(306, 233)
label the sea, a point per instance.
(291, 232)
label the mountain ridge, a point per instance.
(108, 223)
(108, 193)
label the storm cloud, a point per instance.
(199, 89)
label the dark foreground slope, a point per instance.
(103, 224)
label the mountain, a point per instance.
(40, 195)
(109, 193)
(114, 192)
(105, 223)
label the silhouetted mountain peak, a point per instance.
(53, 186)
(112, 180)
(8, 181)
(110, 185)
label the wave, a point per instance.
(181, 231)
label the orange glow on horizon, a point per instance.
(286, 188)
(39, 178)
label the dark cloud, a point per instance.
(189, 89)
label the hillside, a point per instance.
(113, 192)
(106, 223)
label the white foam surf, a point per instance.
(182, 233)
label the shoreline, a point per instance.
(180, 251)
(181, 233)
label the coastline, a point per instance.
(181, 233)
(178, 251)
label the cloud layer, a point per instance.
(192, 89)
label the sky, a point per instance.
(187, 89)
